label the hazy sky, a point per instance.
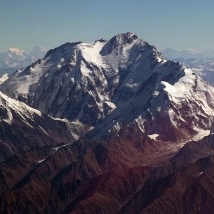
(180, 24)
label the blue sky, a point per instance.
(180, 24)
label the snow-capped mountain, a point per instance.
(15, 53)
(109, 85)
(15, 59)
(143, 116)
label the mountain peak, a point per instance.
(117, 41)
(127, 35)
(124, 38)
(16, 51)
(101, 40)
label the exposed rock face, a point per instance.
(23, 128)
(143, 116)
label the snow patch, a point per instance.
(154, 136)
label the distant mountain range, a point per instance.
(15, 59)
(171, 53)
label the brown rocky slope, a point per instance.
(117, 176)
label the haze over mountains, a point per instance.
(15, 59)
(107, 127)
(188, 54)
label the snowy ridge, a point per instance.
(3, 78)
(171, 109)
(108, 85)
(202, 67)
(23, 127)
(11, 105)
